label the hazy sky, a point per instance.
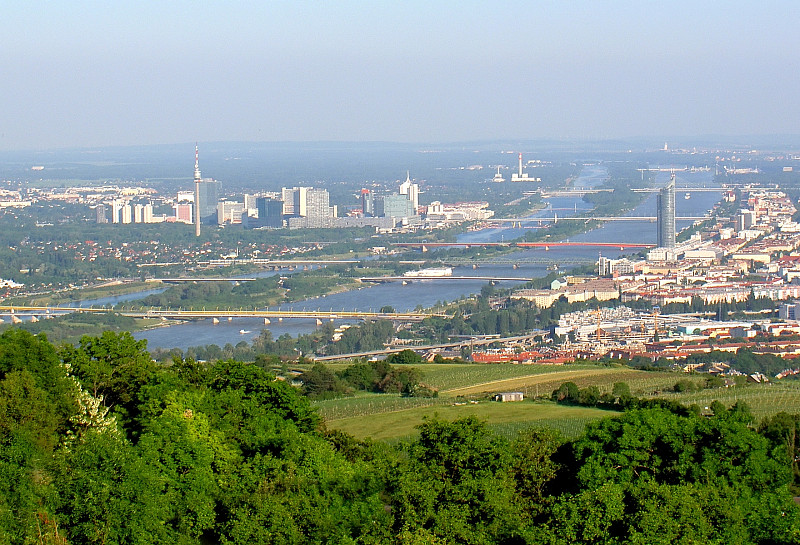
(80, 73)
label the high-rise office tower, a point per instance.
(209, 198)
(318, 204)
(665, 215)
(229, 212)
(270, 212)
(101, 213)
(367, 203)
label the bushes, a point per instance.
(376, 376)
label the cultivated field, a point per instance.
(506, 418)
(763, 399)
(465, 389)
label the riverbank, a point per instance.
(98, 291)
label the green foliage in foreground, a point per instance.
(99, 444)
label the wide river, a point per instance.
(427, 294)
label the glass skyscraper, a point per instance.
(665, 215)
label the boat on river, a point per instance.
(434, 272)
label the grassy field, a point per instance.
(506, 418)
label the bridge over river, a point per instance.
(192, 314)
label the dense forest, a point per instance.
(100, 444)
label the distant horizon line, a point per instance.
(681, 141)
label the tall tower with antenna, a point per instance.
(197, 179)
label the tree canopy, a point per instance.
(99, 444)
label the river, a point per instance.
(428, 293)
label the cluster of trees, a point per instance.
(71, 327)
(476, 317)
(709, 383)
(620, 397)
(723, 309)
(99, 444)
(743, 360)
(320, 382)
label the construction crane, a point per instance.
(655, 313)
(599, 314)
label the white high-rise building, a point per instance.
(411, 190)
(295, 201)
(229, 212)
(125, 214)
(138, 213)
(116, 210)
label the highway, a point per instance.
(456, 344)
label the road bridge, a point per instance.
(410, 279)
(572, 192)
(515, 262)
(183, 279)
(679, 189)
(627, 218)
(192, 314)
(620, 245)
(545, 245)
(451, 244)
(276, 262)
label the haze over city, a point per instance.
(98, 74)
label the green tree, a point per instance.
(404, 357)
(567, 392)
(622, 392)
(320, 382)
(458, 485)
(191, 459)
(114, 367)
(108, 494)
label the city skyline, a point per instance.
(151, 73)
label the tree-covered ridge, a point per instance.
(99, 444)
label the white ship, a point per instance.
(436, 272)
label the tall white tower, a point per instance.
(197, 178)
(520, 165)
